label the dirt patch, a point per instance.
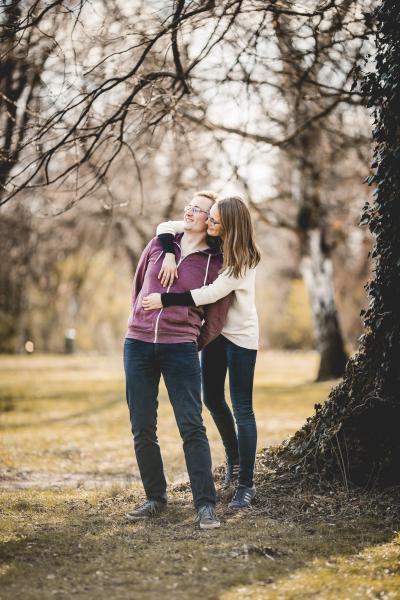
(11, 479)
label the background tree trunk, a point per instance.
(317, 272)
(306, 158)
(316, 263)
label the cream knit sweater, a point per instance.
(241, 325)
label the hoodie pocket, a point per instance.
(174, 319)
(143, 320)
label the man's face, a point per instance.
(196, 214)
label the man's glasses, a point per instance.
(195, 210)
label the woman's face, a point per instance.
(213, 222)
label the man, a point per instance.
(165, 342)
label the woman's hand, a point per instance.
(168, 270)
(152, 302)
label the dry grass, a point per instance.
(67, 416)
(65, 432)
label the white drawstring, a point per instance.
(208, 264)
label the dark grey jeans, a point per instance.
(221, 356)
(179, 365)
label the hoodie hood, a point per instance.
(214, 244)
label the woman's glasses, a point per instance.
(213, 221)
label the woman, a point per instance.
(236, 348)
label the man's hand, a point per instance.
(168, 270)
(152, 302)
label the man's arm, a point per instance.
(140, 272)
(214, 320)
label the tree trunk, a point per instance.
(306, 156)
(316, 263)
(15, 259)
(317, 272)
(355, 434)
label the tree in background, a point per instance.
(23, 61)
(124, 79)
(110, 98)
(125, 98)
(49, 240)
(290, 75)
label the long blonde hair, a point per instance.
(239, 245)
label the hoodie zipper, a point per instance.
(169, 287)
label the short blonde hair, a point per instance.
(209, 194)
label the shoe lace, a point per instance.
(150, 505)
(207, 511)
(241, 493)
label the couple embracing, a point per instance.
(194, 289)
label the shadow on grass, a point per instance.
(93, 408)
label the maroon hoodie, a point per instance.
(176, 324)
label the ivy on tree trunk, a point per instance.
(355, 435)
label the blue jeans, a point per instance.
(179, 364)
(218, 357)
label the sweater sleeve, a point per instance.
(167, 242)
(140, 272)
(177, 299)
(171, 227)
(221, 287)
(214, 321)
